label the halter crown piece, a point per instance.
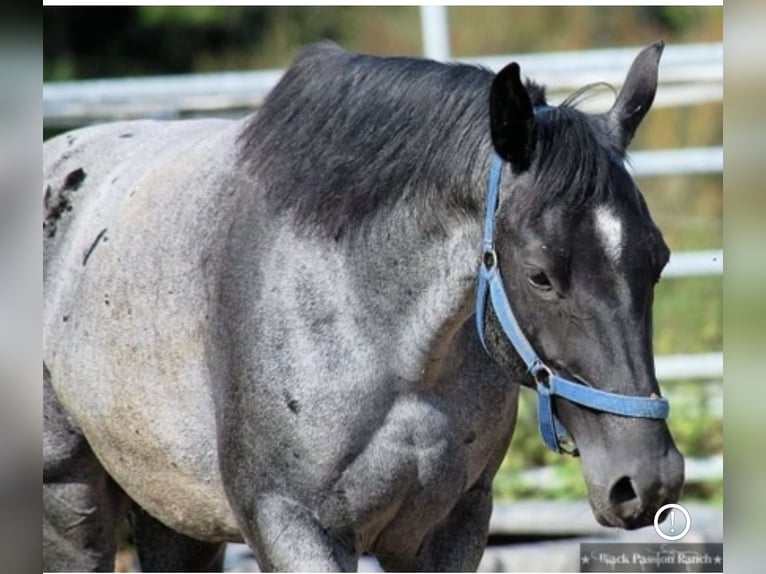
(547, 383)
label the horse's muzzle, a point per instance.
(638, 490)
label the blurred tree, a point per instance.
(676, 19)
(86, 42)
(135, 40)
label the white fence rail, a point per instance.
(696, 366)
(690, 74)
(684, 161)
(694, 263)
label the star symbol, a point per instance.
(717, 559)
(585, 560)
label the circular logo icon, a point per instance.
(677, 524)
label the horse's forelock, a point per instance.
(575, 162)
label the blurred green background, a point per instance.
(96, 42)
(83, 42)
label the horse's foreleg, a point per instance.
(458, 544)
(161, 549)
(286, 536)
(81, 503)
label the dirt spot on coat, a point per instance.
(57, 203)
(292, 404)
(101, 236)
(74, 180)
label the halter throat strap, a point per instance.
(548, 383)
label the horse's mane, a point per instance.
(343, 136)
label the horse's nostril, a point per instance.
(622, 492)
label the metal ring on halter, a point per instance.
(541, 373)
(489, 258)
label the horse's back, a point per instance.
(134, 214)
(101, 165)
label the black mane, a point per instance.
(343, 136)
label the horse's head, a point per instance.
(579, 257)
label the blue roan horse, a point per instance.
(263, 330)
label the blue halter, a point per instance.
(548, 383)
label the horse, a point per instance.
(265, 329)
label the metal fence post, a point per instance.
(435, 31)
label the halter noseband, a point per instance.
(548, 384)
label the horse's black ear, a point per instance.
(511, 117)
(636, 96)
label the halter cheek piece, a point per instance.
(547, 383)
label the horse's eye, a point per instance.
(539, 280)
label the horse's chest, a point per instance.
(411, 472)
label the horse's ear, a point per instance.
(636, 96)
(511, 117)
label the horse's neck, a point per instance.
(418, 288)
